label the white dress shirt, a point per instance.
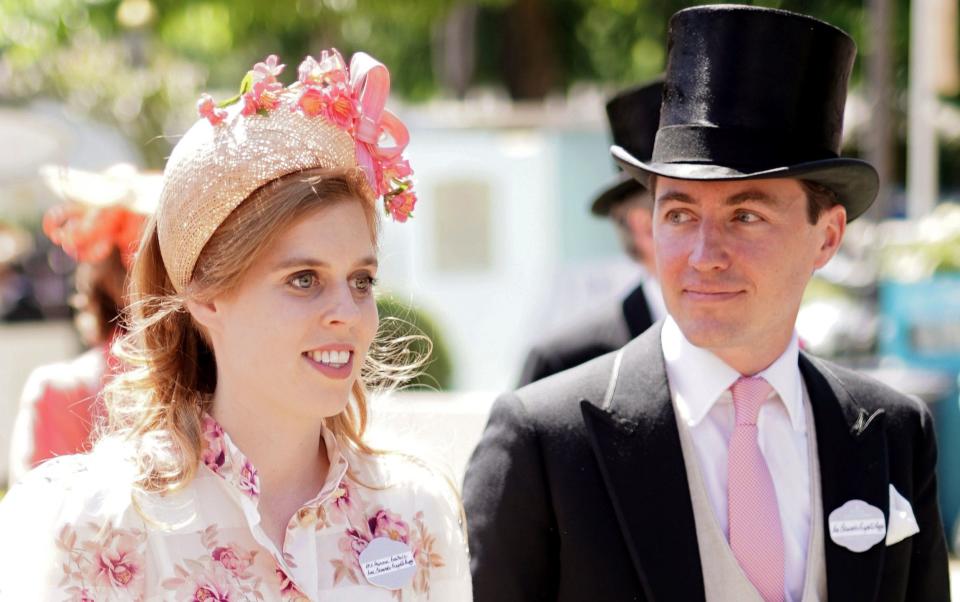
(700, 389)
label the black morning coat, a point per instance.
(607, 331)
(573, 498)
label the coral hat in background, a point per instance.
(755, 93)
(332, 117)
(100, 211)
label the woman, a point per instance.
(99, 225)
(235, 467)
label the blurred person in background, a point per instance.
(710, 458)
(17, 301)
(634, 115)
(98, 224)
(234, 464)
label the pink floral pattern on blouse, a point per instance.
(84, 535)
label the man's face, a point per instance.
(734, 258)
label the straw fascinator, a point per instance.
(100, 211)
(332, 117)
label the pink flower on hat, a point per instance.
(350, 98)
(250, 106)
(208, 108)
(397, 170)
(401, 205)
(330, 70)
(312, 102)
(267, 70)
(265, 96)
(342, 107)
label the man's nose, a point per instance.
(709, 248)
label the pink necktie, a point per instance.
(755, 535)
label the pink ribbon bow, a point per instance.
(370, 82)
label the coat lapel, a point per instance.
(636, 312)
(633, 432)
(853, 466)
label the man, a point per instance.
(633, 116)
(709, 459)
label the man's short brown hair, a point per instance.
(819, 199)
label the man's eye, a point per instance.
(677, 217)
(747, 218)
(303, 281)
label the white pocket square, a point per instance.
(902, 522)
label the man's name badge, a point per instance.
(857, 526)
(388, 563)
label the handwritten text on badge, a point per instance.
(857, 526)
(388, 563)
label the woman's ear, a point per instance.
(205, 313)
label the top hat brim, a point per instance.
(855, 182)
(617, 191)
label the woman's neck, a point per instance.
(287, 451)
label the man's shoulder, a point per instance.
(872, 394)
(557, 398)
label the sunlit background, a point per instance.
(504, 100)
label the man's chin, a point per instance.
(710, 333)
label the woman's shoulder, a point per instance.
(407, 477)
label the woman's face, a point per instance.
(294, 334)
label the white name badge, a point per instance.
(388, 563)
(857, 526)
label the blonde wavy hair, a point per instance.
(159, 401)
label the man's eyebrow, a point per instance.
(309, 262)
(751, 195)
(672, 195)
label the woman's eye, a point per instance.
(364, 284)
(303, 281)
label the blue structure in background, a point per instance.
(921, 327)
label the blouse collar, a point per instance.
(225, 459)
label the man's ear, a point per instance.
(833, 224)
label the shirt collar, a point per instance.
(225, 459)
(698, 378)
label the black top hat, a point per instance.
(755, 93)
(633, 115)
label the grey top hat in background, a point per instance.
(755, 93)
(634, 115)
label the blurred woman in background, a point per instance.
(98, 224)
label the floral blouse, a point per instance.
(74, 529)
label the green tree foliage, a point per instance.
(141, 64)
(623, 42)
